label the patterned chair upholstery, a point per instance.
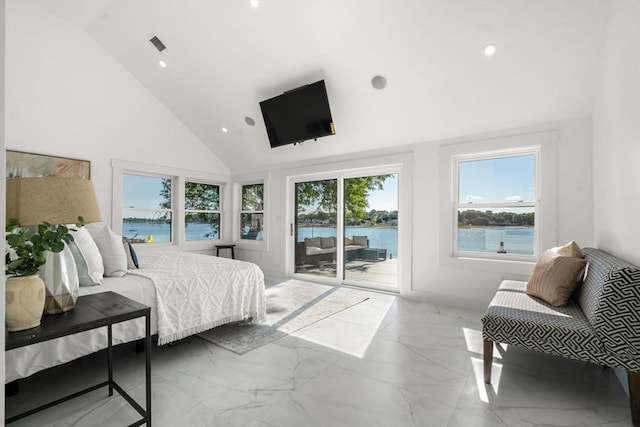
(600, 324)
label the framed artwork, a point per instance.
(21, 164)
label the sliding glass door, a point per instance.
(316, 219)
(346, 228)
(371, 230)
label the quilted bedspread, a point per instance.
(197, 292)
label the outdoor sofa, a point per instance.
(315, 249)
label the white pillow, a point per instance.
(571, 249)
(87, 257)
(110, 245)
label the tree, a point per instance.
(320, 196)
(198, 198)
(252, 197)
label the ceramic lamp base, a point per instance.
(24, 302)
(60, 277)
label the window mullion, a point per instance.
(179, 222)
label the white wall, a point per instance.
(67, 96)
(617, 137)
(430, 277)
(568, 202)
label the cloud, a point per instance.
(470, 198)
(513, 199)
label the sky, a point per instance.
(508, 179)
(498, 180)
(387, 199)
(141, 191)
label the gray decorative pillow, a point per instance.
(360, 240)
(132, 259)
(555, 277)
(312, 241)
(87, 257)
(327, 242)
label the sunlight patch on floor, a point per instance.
(478, 373)
(350, 331)
(475, 344)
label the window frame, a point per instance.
(243, 211)
(188, 211)
(535, 204)
(546, 141)
(179, 178)
(172, 211)
(238, 183)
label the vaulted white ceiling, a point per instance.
(224, 56)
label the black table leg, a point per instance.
(148, 367)
(110, 362)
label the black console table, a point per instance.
(91, 312)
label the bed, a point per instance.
(188, 293)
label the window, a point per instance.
(164, 205)
(202, 211)
(496, 205)
(147, 208)
(251, 212)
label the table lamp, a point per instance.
(32, 201)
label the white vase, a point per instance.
(60, 277)
(24, 302)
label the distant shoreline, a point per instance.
(348, 226)
(496, 226)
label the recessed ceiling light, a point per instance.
(254, 3)
(225, 130)
(379, 82)
(248, 120)
(162, 64)
(490, 49)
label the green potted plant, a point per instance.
(26, 253)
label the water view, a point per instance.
(516, 240)
(379, 237)
(161, 232)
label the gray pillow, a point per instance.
(87, 257)
(312, 241)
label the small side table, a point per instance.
(374, 254)
(218, 247)
(91, 312)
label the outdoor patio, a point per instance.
(383, 273)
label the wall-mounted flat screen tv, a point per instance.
(298, 115)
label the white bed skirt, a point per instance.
(25, 361)
(195, 292)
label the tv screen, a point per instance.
(298, 115)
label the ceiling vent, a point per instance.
(157, 43)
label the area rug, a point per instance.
(291, 306)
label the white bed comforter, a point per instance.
(186, 292)
(195, 292)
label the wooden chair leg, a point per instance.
(488, 360)
(634, 396)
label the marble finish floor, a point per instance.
(385, 362)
